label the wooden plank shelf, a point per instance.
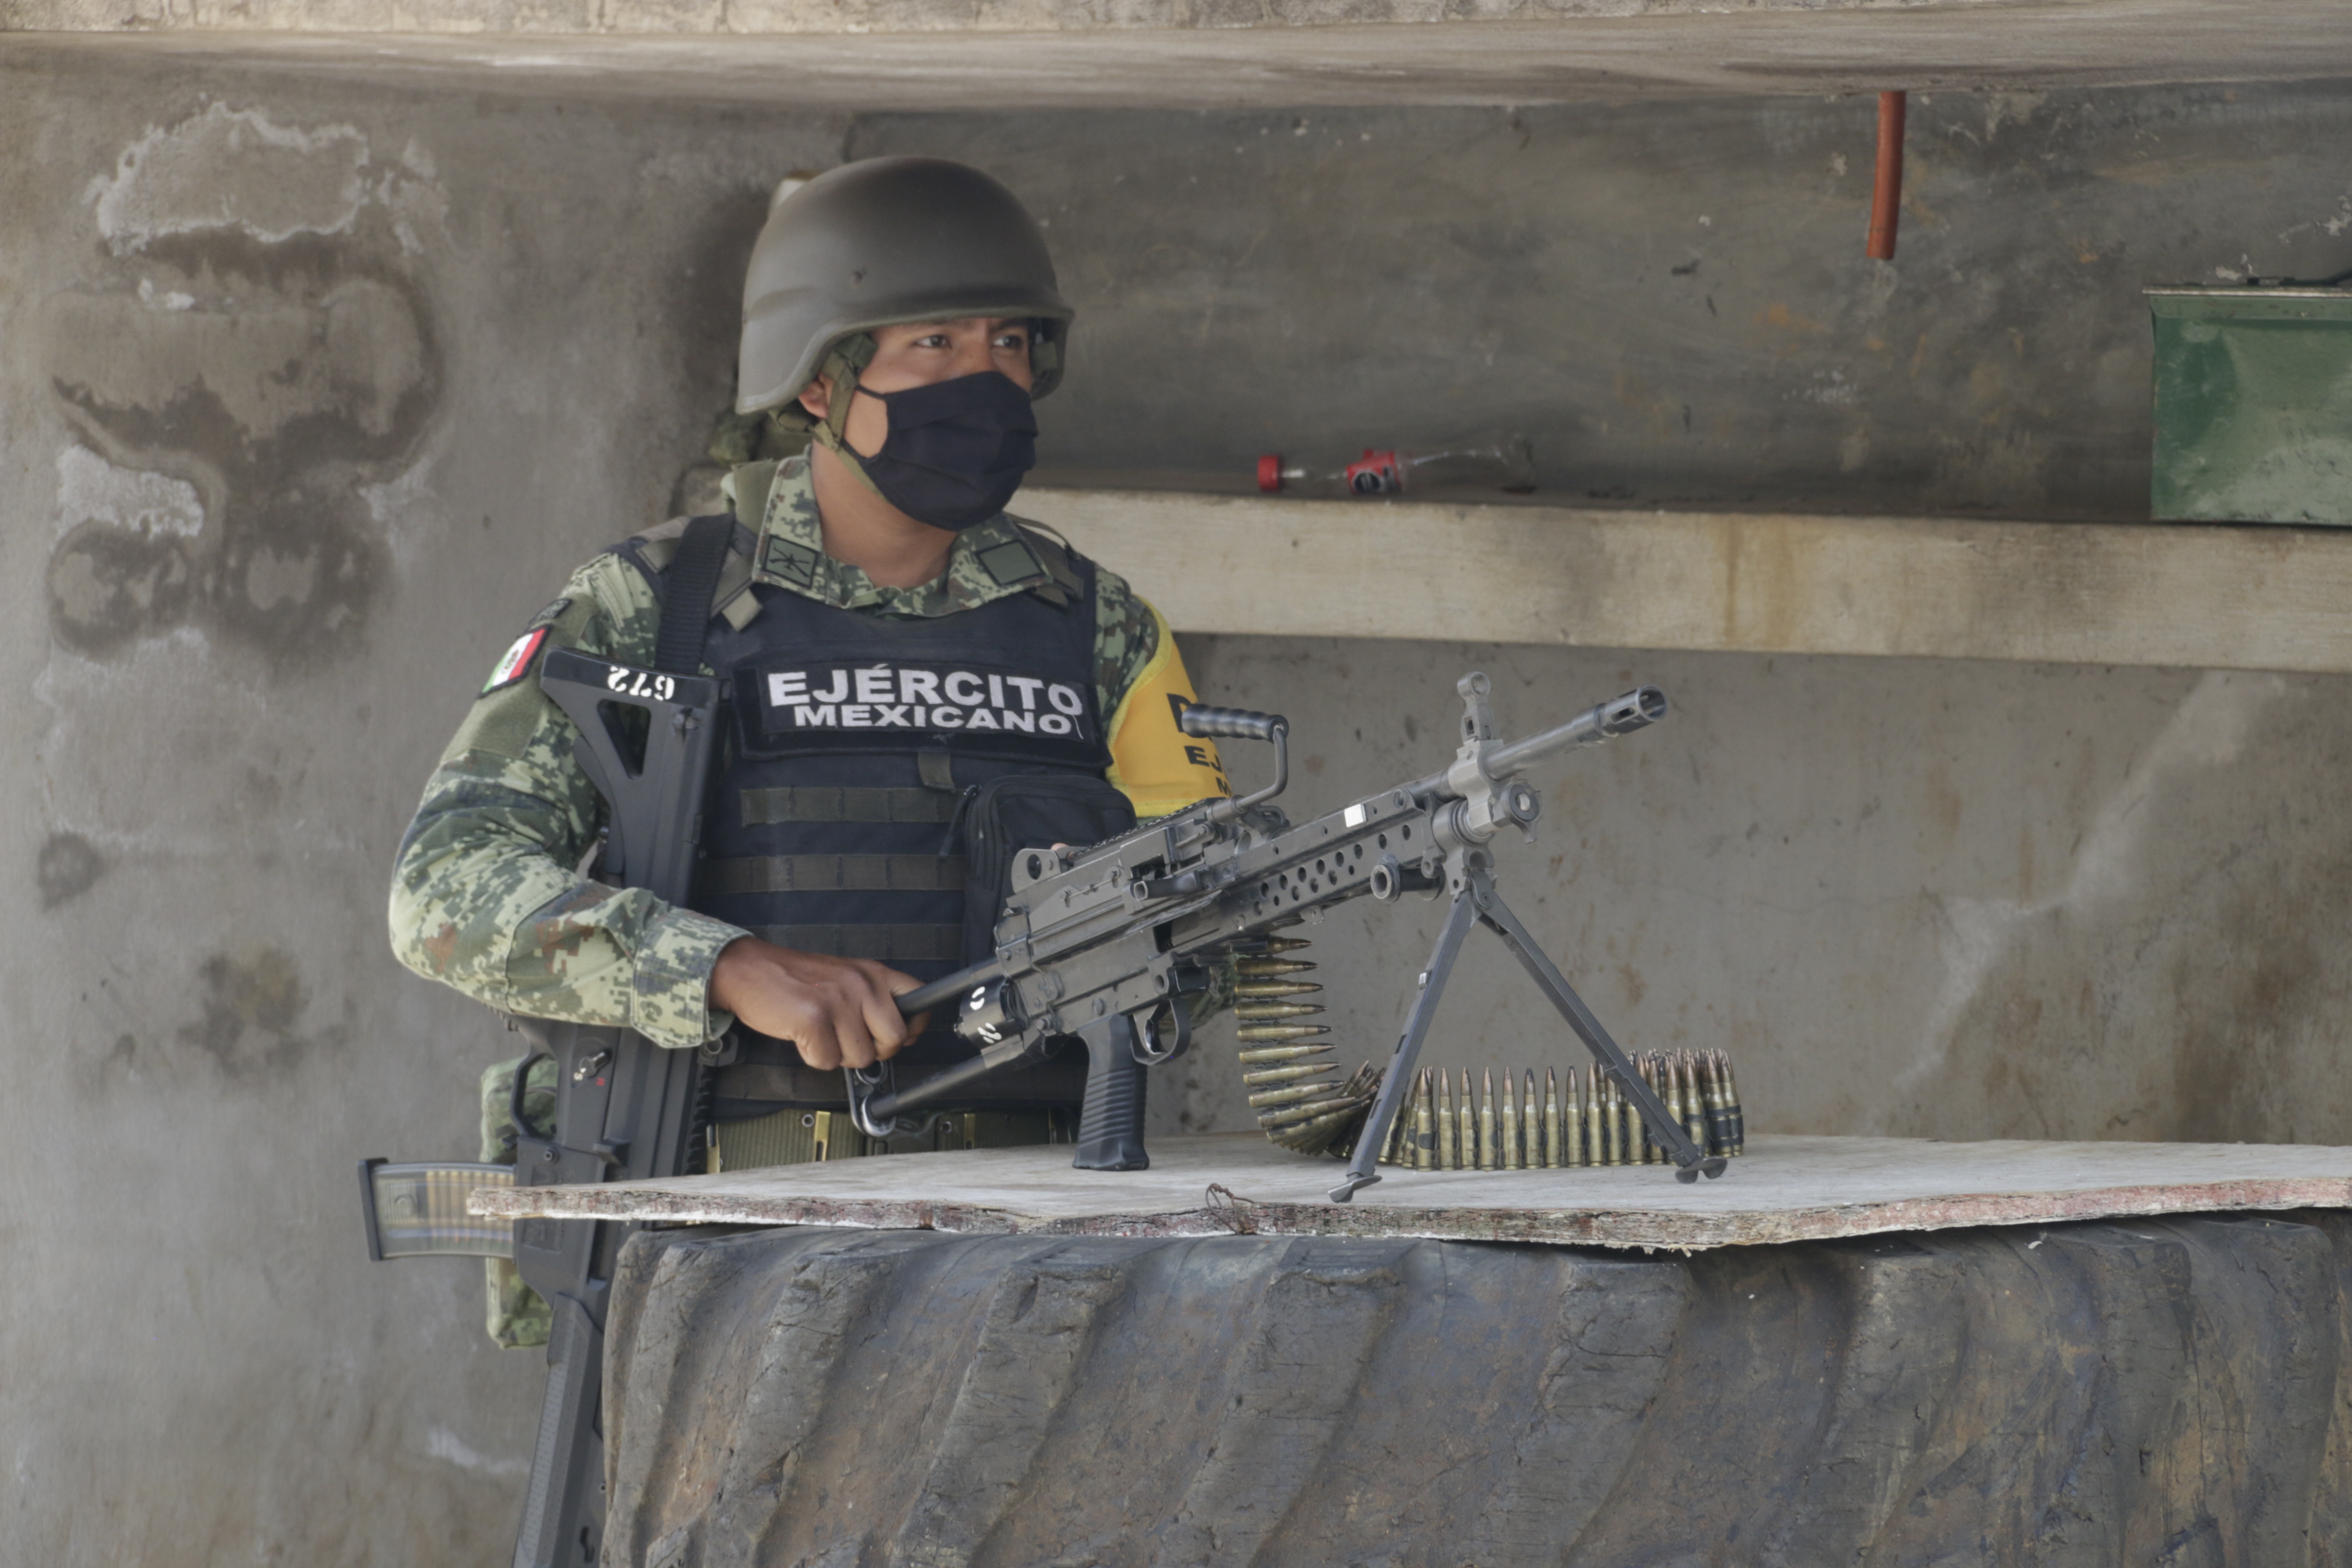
(1784, 1189)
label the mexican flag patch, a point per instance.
(516, 661)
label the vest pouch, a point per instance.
(1028, 811)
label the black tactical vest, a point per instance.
(855, 747)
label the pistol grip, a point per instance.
(1110, 1123)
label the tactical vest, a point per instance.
(855, 747)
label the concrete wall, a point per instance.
(1920, 898)
(310, 393)
(1670, 300)
(309, 400)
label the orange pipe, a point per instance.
(1886, 198)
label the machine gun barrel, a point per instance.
(1636, 710)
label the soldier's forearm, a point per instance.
(484, 900)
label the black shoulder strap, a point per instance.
(688, 587)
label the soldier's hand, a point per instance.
(837, 1012)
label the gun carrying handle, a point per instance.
(1230, 723)
(1243, 724)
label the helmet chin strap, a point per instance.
(842, 364)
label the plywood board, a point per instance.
(1783, 1189)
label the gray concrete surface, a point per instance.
(1919, 897)
(311, 391)
(1027, 54)
(2157, 594)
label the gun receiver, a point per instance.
(1111, 943)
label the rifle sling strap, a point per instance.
(690, 587)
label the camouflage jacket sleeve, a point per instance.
(485, 896)
(1127, 635)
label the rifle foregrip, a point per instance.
(1110, 1123)
(1230, 723)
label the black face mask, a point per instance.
(956, 450)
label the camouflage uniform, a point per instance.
(486, 894)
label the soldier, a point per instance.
(914, 674)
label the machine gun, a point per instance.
(1110, 943)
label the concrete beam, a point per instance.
(2107, 593)
(927, 54)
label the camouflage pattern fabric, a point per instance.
(740, 438)
(519, 1318)
(485, 896)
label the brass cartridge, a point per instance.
(1272, 990)
(1265, 946)
(1605, 1123)
(1273, 1012)
(1584, 1141)
(1310, 1136)
(1507, 1123)
(1629, 1136)
(1308, 1109)
(1737, 1113)
(1718, 1104)
(1670, 1086)
(1465, 1126)
(1711, 1111)
(1588, 1104)
(1571, 1124)
(1530, 1123)
(1551, 1123)
(1290, 1095)
(1261, 1076)
(1281, 1054)
(1694, 1100)
(1424, 1126)
(1269, 968)
(1277, 1034)
(1447, 1160)
(1488, 1155)
(1646, 1150)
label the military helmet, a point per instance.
(884, 241)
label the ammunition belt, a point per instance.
(830, 874)
(818, 803)
(1552, 1122)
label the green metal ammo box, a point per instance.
(2253, 403)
